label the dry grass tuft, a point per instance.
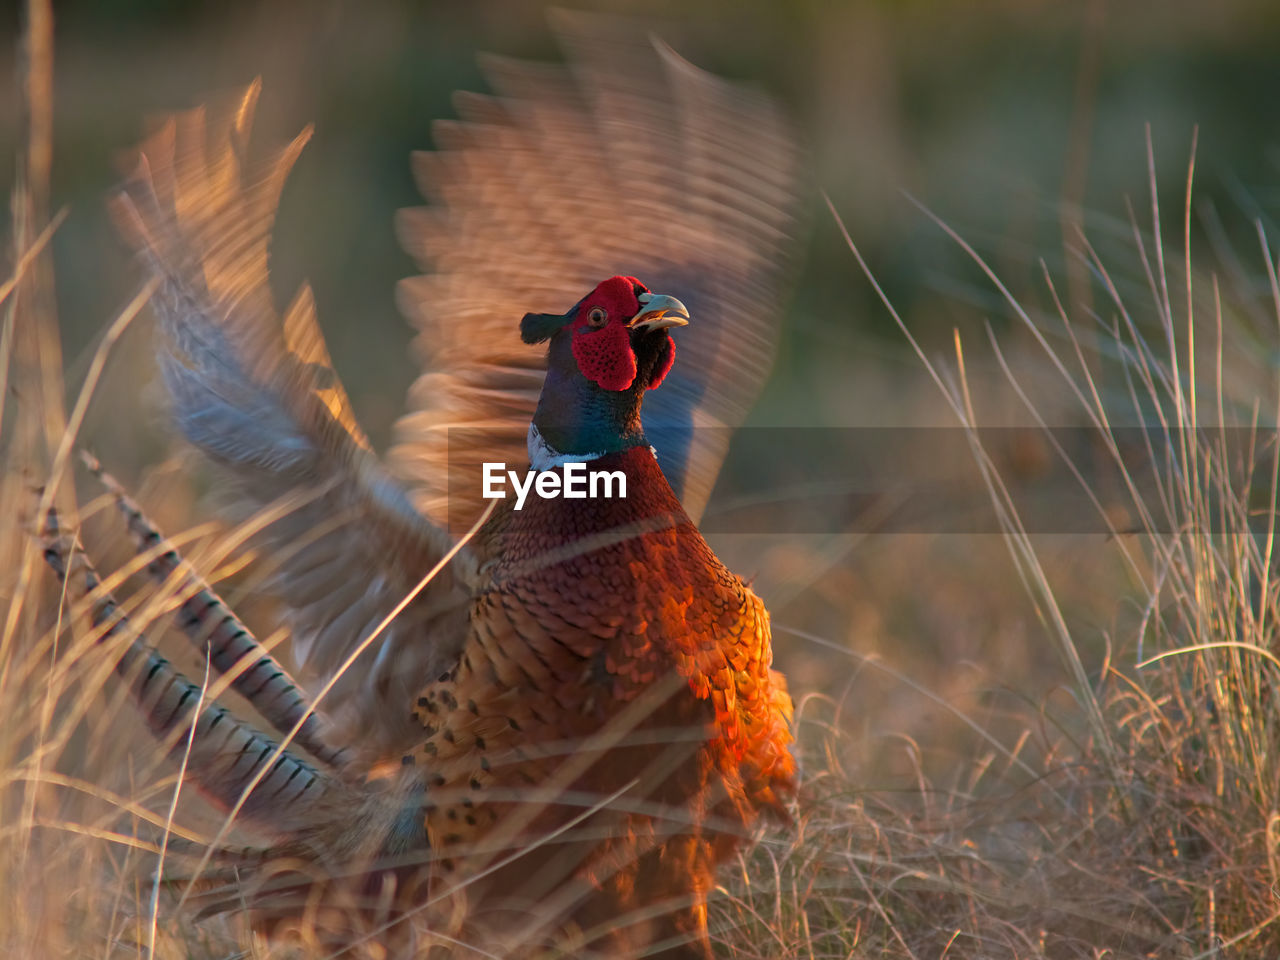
(1144, 821)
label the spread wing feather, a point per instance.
(628, 160)
(257, 393)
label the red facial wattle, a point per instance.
(664, 364)
(605, 355)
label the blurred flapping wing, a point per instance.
(257, 393)
(628, 160)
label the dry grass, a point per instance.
(1133, 811)
(1142, 819)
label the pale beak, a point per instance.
(657, 312)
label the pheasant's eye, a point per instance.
(597, 318)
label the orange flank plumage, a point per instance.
(612, 655)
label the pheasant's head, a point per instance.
(610, 348)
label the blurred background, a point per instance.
(1013, 121)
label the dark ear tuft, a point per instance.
(536, 327)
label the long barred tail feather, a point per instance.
(226, 753)
(333, 841)
(233, 649)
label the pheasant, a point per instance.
(550, 731)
